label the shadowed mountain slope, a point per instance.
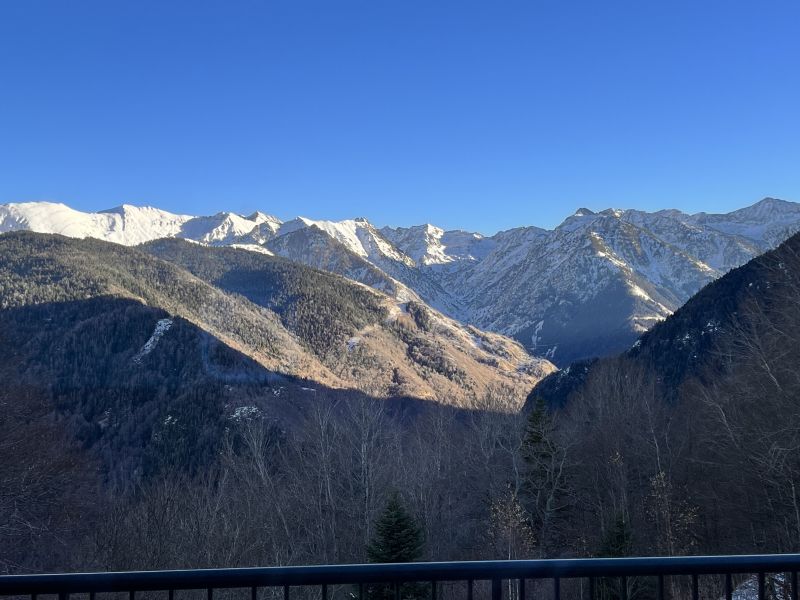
(698, 340)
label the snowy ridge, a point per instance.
(124, 225)
(357, 235)
(431, 245)
(132, 225)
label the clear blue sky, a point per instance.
(477, 115)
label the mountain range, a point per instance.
(544, 288)
(169, 361)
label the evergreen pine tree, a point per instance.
(538, 429)
(398, 537)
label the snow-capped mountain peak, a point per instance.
(431, 245)
(359, 236)
(259, 217)
(221, 228)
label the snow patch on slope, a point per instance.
(252, 248)
(162, 327)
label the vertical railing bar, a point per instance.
(728, 586)
(396, 591)
(131, 595)
(761, 586)
(470, 585)
(91, 595)
(210, 593)
(254, 593)
(360, 591)
(793, 592)
(660, 587)
(497, 589)
(624, 581)
(521, 588)
(695, 587)
(556, 588)
(433, 590)
(285, 592)
(324, 591)
(591, 588)
(171, 595)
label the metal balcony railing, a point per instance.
(427, 578)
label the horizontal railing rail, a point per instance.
(496, 572)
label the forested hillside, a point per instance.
(369, 340)
(324, 311)
(690, 438)
(142, 360)
(147, 359)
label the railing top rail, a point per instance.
(390, 573)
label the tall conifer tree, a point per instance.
(398, 537)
